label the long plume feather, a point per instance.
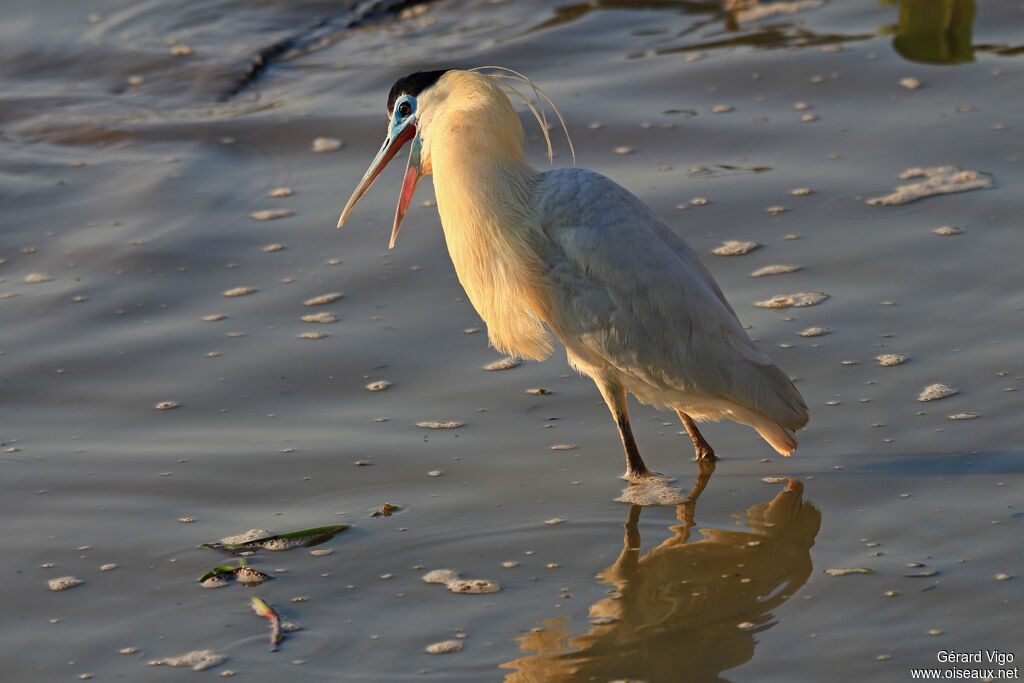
(541, 98)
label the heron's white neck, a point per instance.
(484, 190)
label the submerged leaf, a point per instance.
(217, 571)
(844, 572)
(247, 576)
(293, 539)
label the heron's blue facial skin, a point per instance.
(405, 107)
(401, 129)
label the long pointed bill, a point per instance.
(412, 179)
(393, 143)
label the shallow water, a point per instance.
(129, 175)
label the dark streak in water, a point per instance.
(320, 34)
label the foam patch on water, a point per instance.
(199, 660)
(215, 581)
(245, 537)
(324, 317)
(247, 576)
(271, 214)
(503, 364)
(456, 584)
(444, 647)
(934, 392)
(778, 269)
(652, 491)
(62, 583)
(323, 299)
(321, 145)
(735, 248)
(436, 424)
(937, 180)
(379, 385)
(890, 359)
(815, 332)
(796, 300)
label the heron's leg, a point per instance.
(615, 396)
(701, 447)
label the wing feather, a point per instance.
(625, 286)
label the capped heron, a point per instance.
(572, 255)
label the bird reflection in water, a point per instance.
(684, 611)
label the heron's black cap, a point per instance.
(413, 84)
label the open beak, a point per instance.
(397, 137)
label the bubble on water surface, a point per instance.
(281, 192)
(379, 385)
(239, 291)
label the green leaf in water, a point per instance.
(217, 571)
(293, 539)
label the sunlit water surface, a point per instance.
(138, 140)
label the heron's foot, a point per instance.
(705, 452)
(644, 476)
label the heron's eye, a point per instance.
(404, 109)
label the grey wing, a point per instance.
(629, 289)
